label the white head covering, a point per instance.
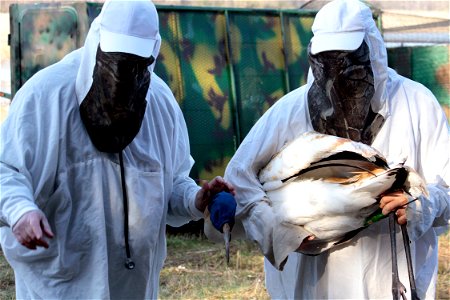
(129, 27)
(122, 26)
(343, 25)
(339, 25)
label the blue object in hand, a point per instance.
(222, 210)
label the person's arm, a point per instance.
(432, 136)
(28, 161)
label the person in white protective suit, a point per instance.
(94, 162)
(351, 93)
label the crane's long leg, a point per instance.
(412, 281)
(398, 289)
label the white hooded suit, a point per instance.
(415, 129)
(48, 163)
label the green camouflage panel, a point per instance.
(256, 48)
(297, 34)
(193, 61)
(41, 35)
(226, 67)
(269, 59)
(45, 36)
(429, 65)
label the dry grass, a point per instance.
(443, 286)
(6, 279)
(196, 269)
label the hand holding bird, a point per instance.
(395, 201)
(209, 190)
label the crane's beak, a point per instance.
(227, 238)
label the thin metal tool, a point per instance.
(412, 281)
(227, 237)
(398, 289)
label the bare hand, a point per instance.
(305, 243)
(395, 201)
(31, 230)
(209, 189)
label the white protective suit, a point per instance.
(48, 163)
(415, 129)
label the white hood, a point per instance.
(89, 51)
(372, 36)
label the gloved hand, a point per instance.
(222, 209)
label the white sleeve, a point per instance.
(182, 201)
(27, 156)
(434, 154)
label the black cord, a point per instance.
(129, 264)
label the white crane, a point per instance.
(329, 188)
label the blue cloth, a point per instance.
(222, 210)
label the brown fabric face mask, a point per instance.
(339, 99)
(114, 107)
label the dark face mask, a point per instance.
(339, 99)
(114, 107)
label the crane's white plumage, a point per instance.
(328, 187)
(308, 148)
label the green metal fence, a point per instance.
(429, 65)
(225, 66)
